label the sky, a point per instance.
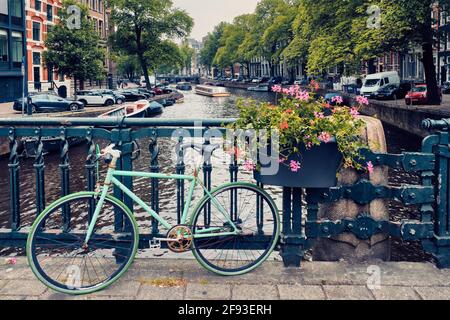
(208, 13)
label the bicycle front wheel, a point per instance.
(58, 256)
(255, 215)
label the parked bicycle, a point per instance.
(86, 241)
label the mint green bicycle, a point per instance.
(86, 241)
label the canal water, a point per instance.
(194, 107)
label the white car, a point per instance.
(95, 98)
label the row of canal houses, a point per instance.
(24, 25)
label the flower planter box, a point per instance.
(319, 167)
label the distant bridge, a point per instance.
(176, 79)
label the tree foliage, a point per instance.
(75, 51)
(144, 29)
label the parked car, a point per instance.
(418, 95)
(301, 82)
(261, 80)
(119, 98)
(330, 96)
(377, 81)
(392, 92)
(95, 98)
(131, 96)
(48, 103)
(145, 92)
(446, 88)
(275, 80)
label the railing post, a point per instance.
(181, 168)
(14, 192)
(127, 165)
(154, 167)
(65, 183)
(442, 217)
(90, 166)
(291, 237)
(207, 170)
(40, 177)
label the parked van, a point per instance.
(377, 81)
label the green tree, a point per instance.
(127, 65)
(143, 27)
(75, 51)
(187, 55)
(211, 45)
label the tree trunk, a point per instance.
(75, 87)
(433, 95)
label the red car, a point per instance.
(418, 95)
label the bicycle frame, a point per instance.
(194, 181)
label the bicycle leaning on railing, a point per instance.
(86, 241)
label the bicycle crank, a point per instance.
(179, 239)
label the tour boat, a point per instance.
(211, 91)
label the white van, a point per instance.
(374, 82)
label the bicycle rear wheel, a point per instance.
(254, 213)
(56, 251)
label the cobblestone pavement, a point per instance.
(151, 279)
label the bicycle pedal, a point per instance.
(155, 244)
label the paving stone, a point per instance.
(347, 293)
(434, 293)
(17, 273)
(23, 288)
(301, 292)
(325, 273)
(148, 292)
(197, 291)
(122, 288)
(395, 293)
(255, 292)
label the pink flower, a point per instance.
(249, 165)
(354, 112)
(319, 115)
(302, 96)
(277, 88)
(314, 85)
(11, 261)
(370, 167)
(285, 91)
(337, 100)
(324, 137)
(294, 165)
(362, 100)
(281, 160)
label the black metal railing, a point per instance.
(432, 195)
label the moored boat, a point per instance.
(211, 91)
(136, 109)
(27, 145)
(260, 88)
(154, 109)
(184, 86)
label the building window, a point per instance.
(37, 5)
(16, 12)
(4, 11)
(49, 13)
(17, 48)
(100, 28)
(3, 46)
(36, 31)
(36, 58)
